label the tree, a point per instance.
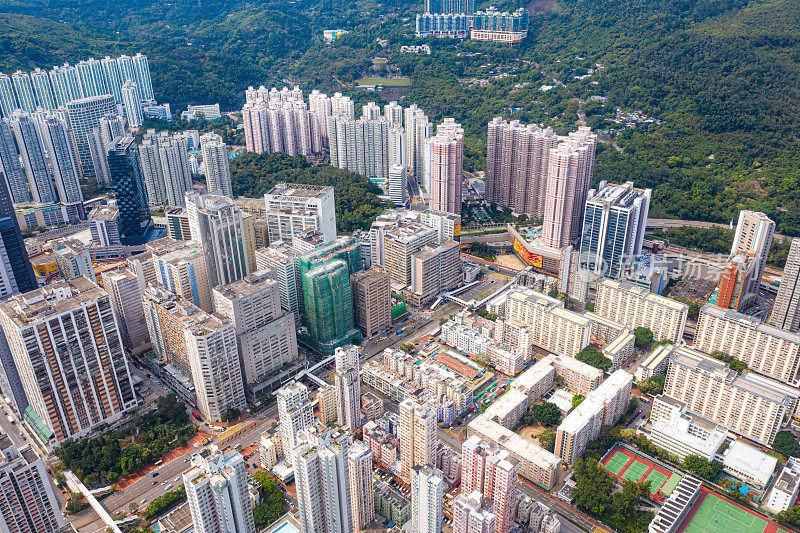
(230, 415)
(653, 386)
(547, 440)
(644, 337)
(789, 517)
(577, 400)
(593, 486)
(592, 356)
(547, 414)
(408, 348)
(786, 444)
(700, 467)
(260, 516)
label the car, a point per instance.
(144, 501)
(155, 482)
(155, 474)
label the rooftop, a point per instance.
(644, 293)
(105, 212)
(299, 190)
(751, 322)
(520, 447)
(53, 299)
(253, 282)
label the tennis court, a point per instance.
(617, 461)
(636, 471)
(628, 465)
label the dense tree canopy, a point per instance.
(357, 202)
(592, 356)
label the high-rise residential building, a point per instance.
(360, 145)
(747, 404)
(10, 164)
(765, 348)
(66, 343)
(569, 173)
(280, 121)
(112, 77)
(143, 80)
(372, 300)
(180, 267)
(613, 227)
(470, 516)
(217, 491)
(417, 129)
(63, 159)
(153, 176)
(66, 84)
(26, 97)
(295, 414)
(265, 333)
(635, 306)
(417, 435)
(445, 167)
(292, 208)
(173, 165)
(398, 188)
(327, 295)
(348, 388)
(217, 223)
(493, 473)
(165, 315)
(27, 501)
(326, 397)
(215, 159)
(10, 381)
(43, 90)
(90, 73)
(362, 490)
(435, 269)
(8, 100)
(214, 362)
(126, 180)
(786, 311)
(283, 264)
(132, 101)
(320, 462)
(34, 158)
(126, 299)
(516, 165)
(83, 115)
(427, 499)
(753, 237)
(604, 406)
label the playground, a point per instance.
(713, 514)
(628, 465)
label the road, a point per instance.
(168, 473)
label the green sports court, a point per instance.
(636, 471)
(617, 461)
(656, 479)
(718, 516)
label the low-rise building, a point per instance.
(749, 464)
(681, 433)
(783, 494)
(619, 350)
(578, 376)
(677, 506)
(656, 363)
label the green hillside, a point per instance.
(721, 76)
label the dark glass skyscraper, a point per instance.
(126, 180)
(16, 271)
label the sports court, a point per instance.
(628, 465)
(712, 514)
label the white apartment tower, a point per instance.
(125, 294)
(427, 499)
(34, 160)
(217, 165)
(132, 100)
(786, 312)
(417, 435)
(63, 159)
(217, 492)
(282, 263)
(214, 362)
(295, 414)
(348, 388)
(753, 237)
(322, 480)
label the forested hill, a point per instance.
(721, 76)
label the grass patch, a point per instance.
(386, 82)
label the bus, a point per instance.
(197, 415)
